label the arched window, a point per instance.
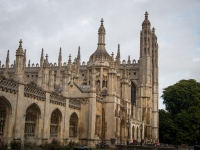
(133, 132)
(55, 121)
(31, 120)
(73, 125)
(137, 133)
(2, 118)
(133, 96)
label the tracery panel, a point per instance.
(2, 118)
(73, 125)
(31, 121)
(55, 121)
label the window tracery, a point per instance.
(55, 119)
(73, 125)
(31, 121)
(2, 118)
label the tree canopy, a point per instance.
(180, 122)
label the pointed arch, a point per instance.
(133, 132)
(33, 113)
(5, 111)
(73, 125)
(56, 117)
(137, 133)
(122, 130)
(7, 103)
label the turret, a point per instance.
(24, 59)
(58, 73)
(42, 58)
(19, 63)
(101, 52)
(5, 73)
(40, 73)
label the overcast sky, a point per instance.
(51, 24)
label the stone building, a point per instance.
(83, 102)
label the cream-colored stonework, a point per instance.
(86, 102)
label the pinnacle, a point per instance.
(146, 15)
(20, 43)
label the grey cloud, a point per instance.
(52, 24)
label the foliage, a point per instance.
(181, 121)
(3, 144)
(15, 145)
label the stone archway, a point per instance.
(73, 125)
(55, 123)
(133, 133)
(5, 111)
(32, 121)
(122, 131)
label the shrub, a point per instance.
(15, 145)
(3, 144)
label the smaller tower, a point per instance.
(58, 73)
(5, 73)
(19, 63)
(39, 80)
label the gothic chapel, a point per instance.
(83, 102)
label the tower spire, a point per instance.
(60, 58)
(101, 52)
(146, 23)
(42, 58)
(7, 60)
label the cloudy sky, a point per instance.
(51, 24)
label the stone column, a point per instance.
(46, 119)
(66, 118)
(20, 114)
(92, 117)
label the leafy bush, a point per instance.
(29, 145)
(15, 145)
(3, 144)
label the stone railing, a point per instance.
(57, 99)
(34, 92)
(8, 85)
(75, 103)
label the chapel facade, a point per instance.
(82, 102)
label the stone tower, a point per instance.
(149, 80)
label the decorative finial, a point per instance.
(69, 61)
(112, 54)
(20, 43)
(153, 30)
(102, 21)
(118, 46)
(146, 15)
(7, 58)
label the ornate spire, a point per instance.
(101, 28)
(101, 52)
(70, 61)
(118, 51)
(8, 57)
(112, 61)
(7, 60)
(60, 58)
(129, 60)
(29, 63)
(20, 43)
(42, 58)
(79, 55)
(60, 54)
(20, 51)
(146, 23)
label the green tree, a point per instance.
(181, 120)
